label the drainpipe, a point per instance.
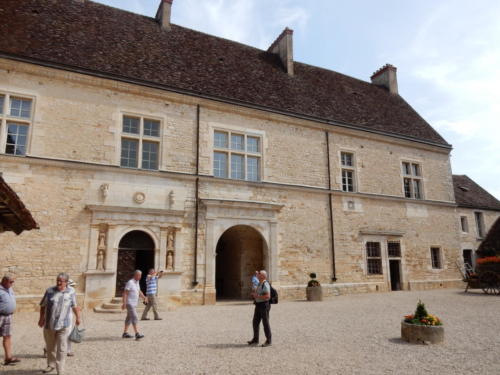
(197, 203)
(332, 245)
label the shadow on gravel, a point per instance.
(30, 356)
(21, 371)
(223, 346)
(103, 338)
(398, 340)
(476, 293)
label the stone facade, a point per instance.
(85, 203)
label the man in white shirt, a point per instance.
(130, 298)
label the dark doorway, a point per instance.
(394, 265)
(239, 253)
(135, 252)
(467, 254)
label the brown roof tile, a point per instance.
(471, 195)
(99, 38)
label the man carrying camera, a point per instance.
(152, 293)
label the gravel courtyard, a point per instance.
(354, 334)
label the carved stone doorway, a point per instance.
(135, 252)
(239, 253)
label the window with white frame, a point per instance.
(479, 224)
(237, 155)
(373, 258)
(140, 142)
(348, 171)
(16, 114)
(464, 225)
(436, 258)
(412, 180)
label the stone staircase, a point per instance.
(115, 307)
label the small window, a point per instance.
(237, 142)
(347, 180)
(220, 164)
(237, 169)
(151, 128)
(17, 136)
(149, 155)
(464, 224)
(253, 168)
(131, 125)
(436, 257)
(346, 159)
(373, 258)
(479, 224)
(20, 107)
(348, 171)
(220, 140)
(253, 144)
(394, 249)
(129, 154)
(2, 102)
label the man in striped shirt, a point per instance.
(152, 293)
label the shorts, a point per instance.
(5, 325)
(132, 317)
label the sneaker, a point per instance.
(70, 354)
(126, 335)
(267, 343)
(158, 319)
(138, 336)
(252, 342)
(48, 369)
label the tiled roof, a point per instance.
(471, 195)
(100, 39)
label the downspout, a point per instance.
(196, 197)
(332, 244)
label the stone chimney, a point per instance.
(386, 77)
(283, 47)
(163, 14)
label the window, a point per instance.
(15, 122)
(348, 171)
(394, 249)
(140, 144)
(412, 180)
(373, 258)
(237, 155)
(464, 224)
(479, 224)
(436, 257)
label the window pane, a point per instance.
(17, 135)
(253, 170)
(152, 128)
(416, 189)
(149, 155)
(373, 249)
(374, 266)
(406, 169)
(220, 164)
(253, 144)
(407, 187)
(220, 139)
(394, 249)
(129, 153)
(416, 169)
(479, 224)
(463, 221)
(435, 257)
(346, 159)
(131, 125)
(2, 102)
(347, 180)
(237, 142)
(237, 168)
(20, 107)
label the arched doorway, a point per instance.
(135, 252)
(240, 251)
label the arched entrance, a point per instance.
(135, 252)
(240, 251)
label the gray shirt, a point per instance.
(7, 301)
(58, 305)
(262, 289)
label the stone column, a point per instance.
(209, 279)
(161, 264)
(273, 253)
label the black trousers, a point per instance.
(261, 312)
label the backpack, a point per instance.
(274, 295)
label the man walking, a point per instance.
(261, 296)
(55, 315)
(130, 298)
(255, 281)
(7, 308)
(152, 293)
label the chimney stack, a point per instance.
(283, 47)
(386, 77)
(163, 14)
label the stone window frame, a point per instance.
(412, 176)
(229, 151)
(6, 118)
(141, 138)
(369, 257)
(346, 168)
(480, 227)
(437, 262)
(464, 224)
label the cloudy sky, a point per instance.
(447, 53)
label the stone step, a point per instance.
(118, 300)
(100, 310)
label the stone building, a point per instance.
(137, 143)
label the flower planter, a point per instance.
(420, 334)
(314, 293)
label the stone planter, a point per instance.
(417, 334)
(314, 293)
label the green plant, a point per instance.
(313, 282)
(422, 317)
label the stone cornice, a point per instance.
(230, 203)
(133, 210)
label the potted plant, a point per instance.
(422, 327)
(314, 292)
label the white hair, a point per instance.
(264, 273)
(137, 272)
